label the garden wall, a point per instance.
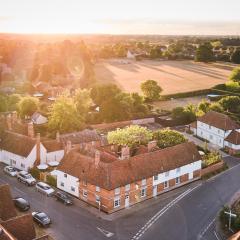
(212, 168)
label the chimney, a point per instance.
(97, 157)
(125, 152)
(152, 145)
(14, 117)
(30, 130)
(68, 147)
(38, 155)
(58, 136)
(9, 122)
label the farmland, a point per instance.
(172, 76)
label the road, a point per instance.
(187, 213)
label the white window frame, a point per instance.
(117, 191)
(166, 184)
(177, 180)
(116, 202)
(97, 189)
(62, 184)
(73, 189)
(143, 192)
(155, 177)
(65, 175)
(144, 182)
(97, 198)
(85, 193)
(23, 165)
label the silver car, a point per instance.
(10, 171)
(26, 178)
(44, 188)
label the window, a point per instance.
(177, 180)
(155, 178)
(62, 184)
(143, 192)
(178, 170)
(65, 175)
(14, 162)
(166, 184)
(73, 189)
(127, 187)
(167, 174)
(117, 191)
(22, 165)
(84, 193)
(144, 181)
(97, 199)
(116, 202)
(97, 189)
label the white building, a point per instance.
(39, 119)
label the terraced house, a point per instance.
(112, 177)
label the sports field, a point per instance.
(172, 76)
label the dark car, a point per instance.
(21, 204)
(41, 218)
(63, 197)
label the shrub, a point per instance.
(51, 180)
(35, 172)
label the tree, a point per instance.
(204, 53)
(235, 57)
(83, 101)
(204, 106)
(27, 106)
(3, 103)
(230, 103)
(131, 136)
(184, 115)
(216, 107)
(63, 116)
(235, 75)
(140, 109)
(151, 90)
(168, 138)
(13, 101)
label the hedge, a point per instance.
(51, 180)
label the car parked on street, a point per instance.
(45, 188)
(22, 204)
(26, 178)
(10, 171)
(41, 219)
(63, 197)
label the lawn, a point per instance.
(172, 76)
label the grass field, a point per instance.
(172, 76)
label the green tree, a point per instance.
(151, 90)
(235, 75)
(13, 101)
(204, 106)
(184, 115)
(63, 116)
(27, 106)
(131, 136)
(204, 53)
(230, 103)
(3, 103)
(216, 107)
(235, 57)
(139, 108)
(168, 138)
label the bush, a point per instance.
(51, 180)
(35, 172)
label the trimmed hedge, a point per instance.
(35, 172)
(51, 180)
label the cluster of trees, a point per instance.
(134, 136)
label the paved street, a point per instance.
(182, 214)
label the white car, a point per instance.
(10, 171)
(26, 178)
(44, 188)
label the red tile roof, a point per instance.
(110, 175)
(219, 120)
(53, 145)
(233, 137)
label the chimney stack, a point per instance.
(30, 129)
(38, 154)
(125, 152)
(58, 136)
(152, 145)
(9, 122)
(69, 146)
(97, 157)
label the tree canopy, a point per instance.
(235, 57)
(131, 136)
(151, 90)
(204, 53)
(83, 101)
(235, 75)
(168, 138)
(27, 106)
(230, 103)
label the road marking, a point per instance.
(216, 235)
(151, 221)
(18, 190)
(206, 228)
(105, 232)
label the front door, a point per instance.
(154, 190)
(127, 201)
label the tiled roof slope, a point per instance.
(233, 137)
(113, 174)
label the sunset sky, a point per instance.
(121, 16)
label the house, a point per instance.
(38, 119)
(111, 180)
(218, 129)
(13, 227)
(135, 55)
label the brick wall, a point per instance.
(212, 168)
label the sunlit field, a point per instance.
(172, 76)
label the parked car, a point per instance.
(44, 188)
(10, 171)
(41, 219)
(63, 197)
(26, 178)
(21, 204)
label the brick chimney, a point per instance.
(125, 152)
(152, 145)
(38, 149)
(9, 122)
(97, 158)
(14, 117)
(68, 147)
(30, 130)
(57, 136)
